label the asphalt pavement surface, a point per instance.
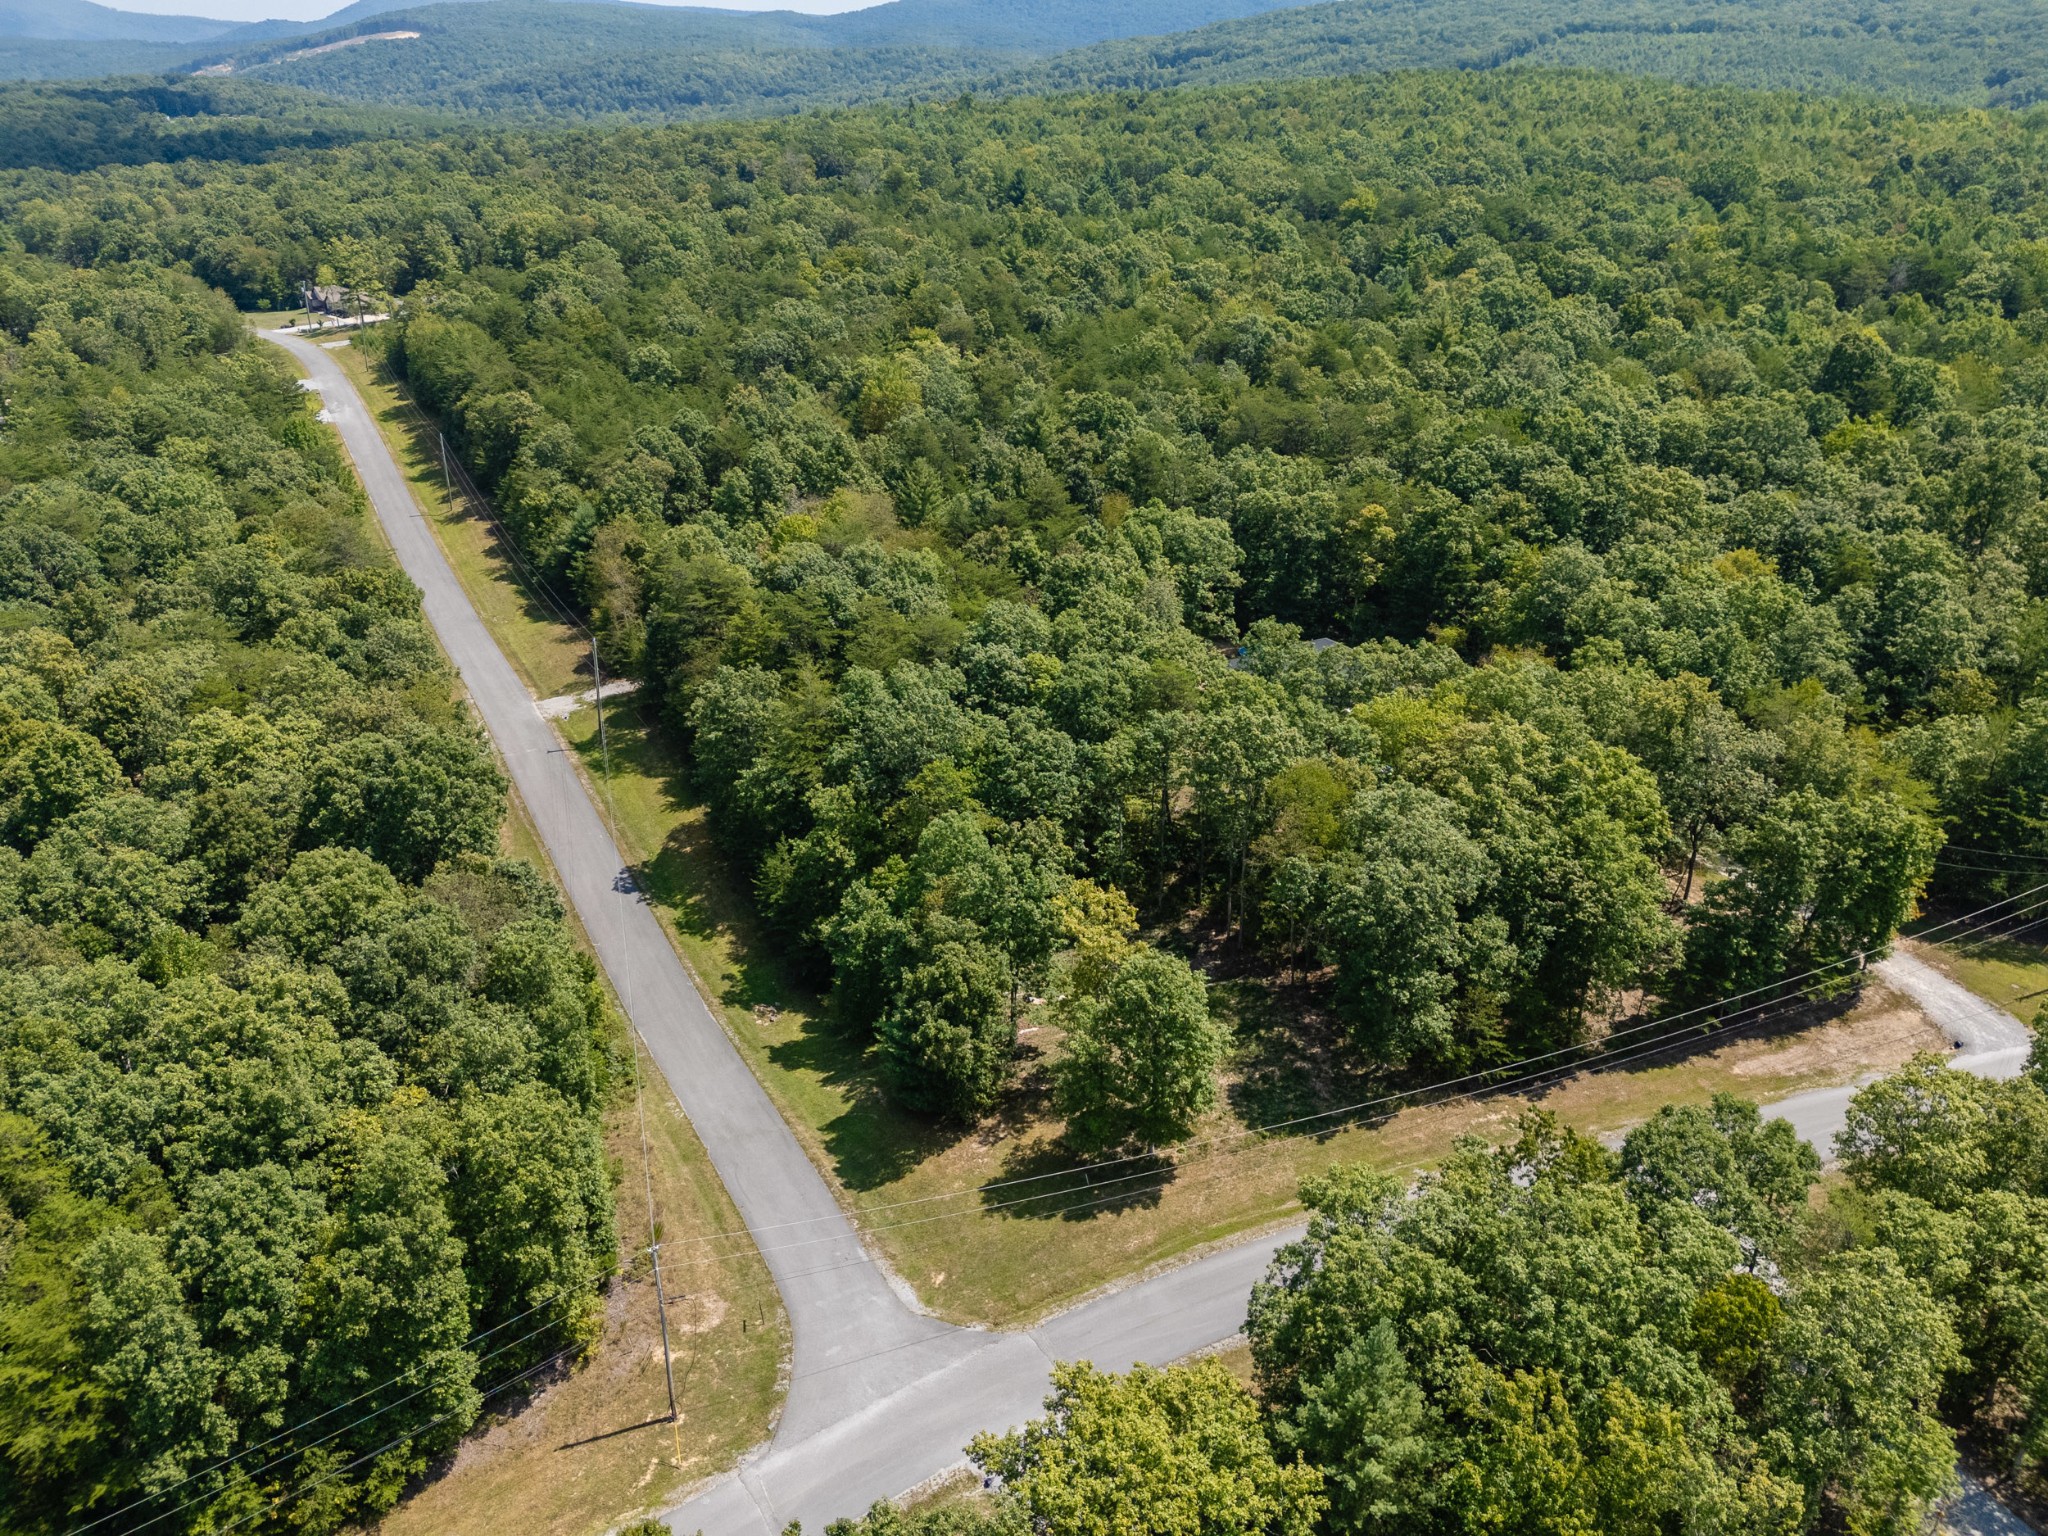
(855, 1337)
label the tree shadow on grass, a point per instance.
(1292, 1059)
(872, 1144)
(1048, 1180)
(1651, 1050)
(1295, 1071)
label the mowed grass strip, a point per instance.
(551, 657)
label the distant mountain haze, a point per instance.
(976, 24)
(591, 59)
(303, 13)
(83, 21)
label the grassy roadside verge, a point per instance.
(549, 656)
(986, 1257)
(974, 1263)
(595, 1445)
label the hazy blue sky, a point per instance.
(312, 10)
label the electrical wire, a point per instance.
(1212, 1167)
(332, 1473)
(1217, 1162)
(1722, 1025)
(1994, 853)
(335, 1434)
(537, 586)
(292, 1429)
(1776, 987)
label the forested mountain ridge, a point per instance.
(299, 1082)
(85, 21)
(541, 58)
(538, 58)
(1979, 55)
(478, 38)
(77, 127)
(547, 57)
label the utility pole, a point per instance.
(668, 1366)
(444, 470)
(668, 1362)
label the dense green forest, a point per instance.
(1980, 54)
(1500, 550)
(88, 21)
(693, 48)
(299, 1082)
(1546, 1336)
(1416, 530)
(78, 127)
(27, 58)
(539, 59)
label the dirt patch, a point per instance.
(699, 1313)
(349, 42)
(1885, 1031)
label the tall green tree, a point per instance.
(1141, 1055)
(1175, 1450)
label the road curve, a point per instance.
(881, 1397)
(891, 1445)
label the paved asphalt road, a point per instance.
(881, 1397)
(855, 1337)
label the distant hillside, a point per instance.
(538, 58)
(543, 58)
(593, 58)
(1037, 25)
(73, 127)
(1982, 53)
(546, 58)
(583, 59)
(83, 21)
(41, 59)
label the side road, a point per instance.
(881, 1397)
(893, 1445)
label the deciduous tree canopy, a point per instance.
(298, 1081)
